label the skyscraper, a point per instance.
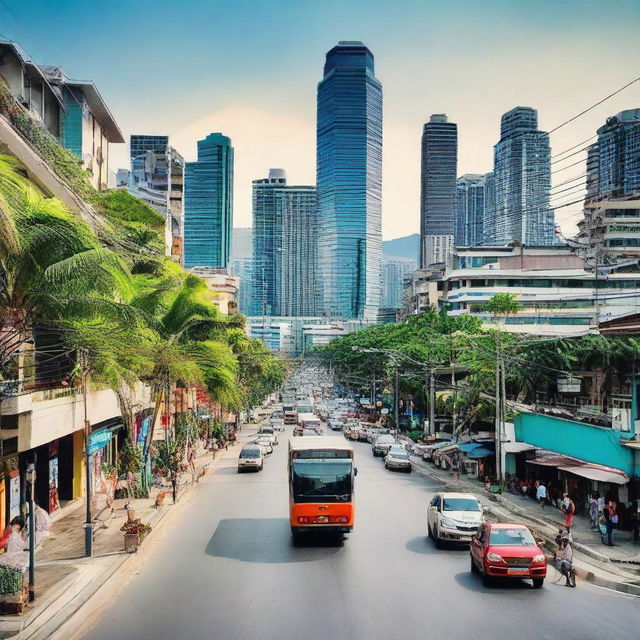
(488, 224)
(284, 247)
(522, 169)
(349, 182)
(470, 209)
(208, 204)
(616, 157)
(394, 271)
(156, 176)
(439, 160)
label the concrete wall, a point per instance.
(587, 442)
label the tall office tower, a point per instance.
(243, 268)
(593, 172)
(470, 209)
(156, 176)
(349, 182)
(439, 160)
(522, 168)
(488, 230)
(394, 272)
(284, 247)
(618, 152)
(208, 204)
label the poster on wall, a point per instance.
(14, 496)
(54, 500)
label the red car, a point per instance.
(502, 550)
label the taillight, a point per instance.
(303, 519)
(342, 519)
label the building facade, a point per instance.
(470, 209)
(242, 268)
(284, 247)
(394, 273)
(349, 182)
(522, 171)
(208, 204)
(439, 160)
(157, 178)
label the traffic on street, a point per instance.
(325, 542)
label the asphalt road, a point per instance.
(230, 572)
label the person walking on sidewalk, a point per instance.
(611, 519)
(568, 508)
(541, 494)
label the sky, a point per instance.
(250, 68)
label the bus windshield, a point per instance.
(324, 480)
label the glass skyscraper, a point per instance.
(522, 169)
(284, 247)
(615, 159)
(349, 183)
(470, 210)
(208, 204)
(439, 162)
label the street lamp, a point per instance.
(31, 479)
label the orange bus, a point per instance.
(321, 481)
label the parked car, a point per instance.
(382, 445)
(453, 517)
(277, 424)
(506, 550)
(397, 458)
(265, 442)
(250, 458)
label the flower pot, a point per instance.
(131, 515)
(131, 542)
(160, 500)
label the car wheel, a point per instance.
(437, 539)
(538, 582)
(474, 569)
(429, 532)
(487, 581)
(386, 466)
(409, 470)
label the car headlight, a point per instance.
(447, 522)
(493, 557)
(539, 558)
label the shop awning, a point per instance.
(597, 472)
(468, 446)
(517, 447)
(600, 475)
(448, 449)
(480, 452)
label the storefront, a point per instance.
(10, 498)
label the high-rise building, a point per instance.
(394, 272)
(349, 182)
(522, 169)
(157, 176)
(470, 209)
(208, 204)
(617, 156)
(284, 247)
(439, 160)
(488, 224)
(242, 268)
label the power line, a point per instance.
(593, 106)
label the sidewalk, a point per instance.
(65, 579)
(616, 567)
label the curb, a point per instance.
(583, 573)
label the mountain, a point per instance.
(405, 247)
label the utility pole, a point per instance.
(88, 524)
(31, 479)
(432, 403)
(397, 400)
(498, 427)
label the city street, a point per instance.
(229, 571)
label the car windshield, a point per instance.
(511, 538)
(250, 453)
(461, 504)
(327, 480)
(402, 455)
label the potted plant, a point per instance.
(160, 498)
(135, 532)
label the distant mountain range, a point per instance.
(405, 247)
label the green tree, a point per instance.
(503, 303)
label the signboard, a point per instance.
(14, 496)
(384, 412)
(99, 439)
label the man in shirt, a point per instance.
(564, 562)
(541, 494)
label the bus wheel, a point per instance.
(295, 536)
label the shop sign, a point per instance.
(99, 439)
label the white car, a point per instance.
(265, 442)
(250, 458)
(277, 424)
(453, 517)
(270, 433)
(397, 458)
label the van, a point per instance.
(250, 458)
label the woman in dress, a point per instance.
(17, 554)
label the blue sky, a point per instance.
(250, 68)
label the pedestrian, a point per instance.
(541, 494)
(593, 510)
(611, 521)
(568, 508)
(564, 562)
